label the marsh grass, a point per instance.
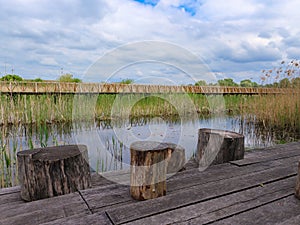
(15, 138)
(276, 111)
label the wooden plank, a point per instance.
(101, 198)
(223, 207)
(83, 219)
(44, 210)
(263, 157)
(292, 221)
(196, 194)
(98, 198)
(275, 212)
(4, 191)
(10, 198)
(98, 180)
(219, 172)
(281, 148)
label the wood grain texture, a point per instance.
(257, 193)
(148, 170)
(218, 146)
(53, 171)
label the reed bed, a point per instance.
(280, 112)
(275, 111)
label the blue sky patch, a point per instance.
(148, 2)
(189, 9)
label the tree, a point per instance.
(201, 83)
(127, 81)
(227, 82)
(11, 77)
(68, 78)
(248, 83)
(37, 80)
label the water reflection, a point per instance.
(108, 151)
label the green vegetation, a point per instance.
(274, 112)
(227, 82)
(248, 83)
(201, 83)
(39, 112)
(11, 77)
(127, 81)
(68, 78)
(37, 80)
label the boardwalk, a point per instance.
(96, 88)
(256, 190)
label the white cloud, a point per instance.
(48, 61)
(233, 37)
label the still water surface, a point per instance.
(108, 141)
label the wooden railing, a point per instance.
(65, 88)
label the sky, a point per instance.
(234, 38)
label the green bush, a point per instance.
(11, 77)
(68, 78)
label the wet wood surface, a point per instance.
(260, 189)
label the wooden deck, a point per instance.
(113, 88)
(256, 190)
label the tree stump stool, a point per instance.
(218, 146)
(149, 165)
(297, 193)
(53, 171)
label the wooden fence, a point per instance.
(73, 88)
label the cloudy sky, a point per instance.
(235, 38)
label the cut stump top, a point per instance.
(53, 153)
(224, 133)
(145, 146)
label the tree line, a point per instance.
(287, 75)
(63, 78)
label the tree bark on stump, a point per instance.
(218, 146)
(150, 162)
(53, 171)
(297, 193)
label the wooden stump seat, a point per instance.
(219, 146)
(53, 171)
(150, 162)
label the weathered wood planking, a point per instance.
(282, 151)
(43, 210)
(102, 198)
(278, 211)
(10, 190)
(255, 193)
(291, 221)
(223, 207)
(138, 210)
(82, 219)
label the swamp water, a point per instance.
(108, 141)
